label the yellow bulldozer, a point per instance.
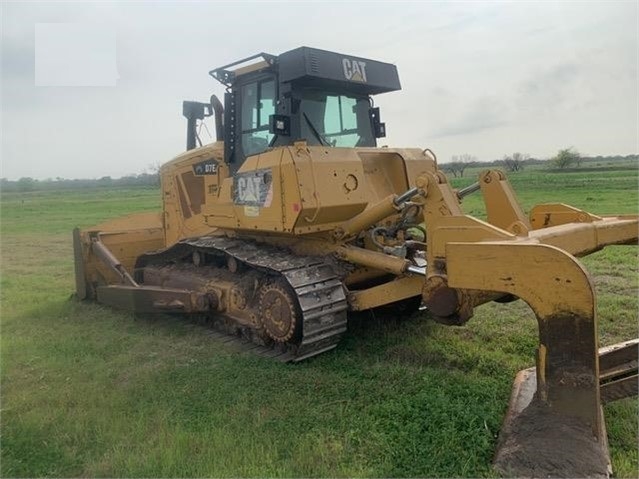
(294, 217)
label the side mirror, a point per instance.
(279, 125)
(379, 128)
(194, 111)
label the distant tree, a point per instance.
(7, 185)
(105, 181)
(566, 158)
(459, 163)
(515, 162)
(154, 170)
(448, 168)
(26, 184)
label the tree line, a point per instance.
(565, 159)
(25, 184)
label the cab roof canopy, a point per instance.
(316, 68)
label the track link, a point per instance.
(318, 289)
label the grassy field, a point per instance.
(90, 392)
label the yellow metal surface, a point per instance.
(372, 259)
(137, 221)
(314, 191)
(441, 199)
(557, 288)
(502, 207)
(584, 238)
(185, 195)
(384, 173)
(314, 188)
(401, 288)
(367, 218)
(127, 238)
(553, 214)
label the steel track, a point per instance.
(318, 289)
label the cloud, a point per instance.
(75, 54)
(480, 77)
(539, 31)
(481, 114)
(17, 59)
(551, 90)
(549, 86)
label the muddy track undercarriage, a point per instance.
(294, 305)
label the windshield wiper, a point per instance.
(319, 137)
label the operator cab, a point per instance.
(306, 93)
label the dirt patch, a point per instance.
(540, 443)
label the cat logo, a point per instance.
(354, 70)
(248, 189)
(253, 188)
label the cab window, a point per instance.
(258, 104)
(336, 120)
(340, 120)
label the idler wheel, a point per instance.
(279, 313)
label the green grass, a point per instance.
(600, 192)
(87, 391)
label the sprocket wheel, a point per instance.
(279, 313)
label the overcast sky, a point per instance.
(484, 78)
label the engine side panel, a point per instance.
(190, 184)
(292, 190)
